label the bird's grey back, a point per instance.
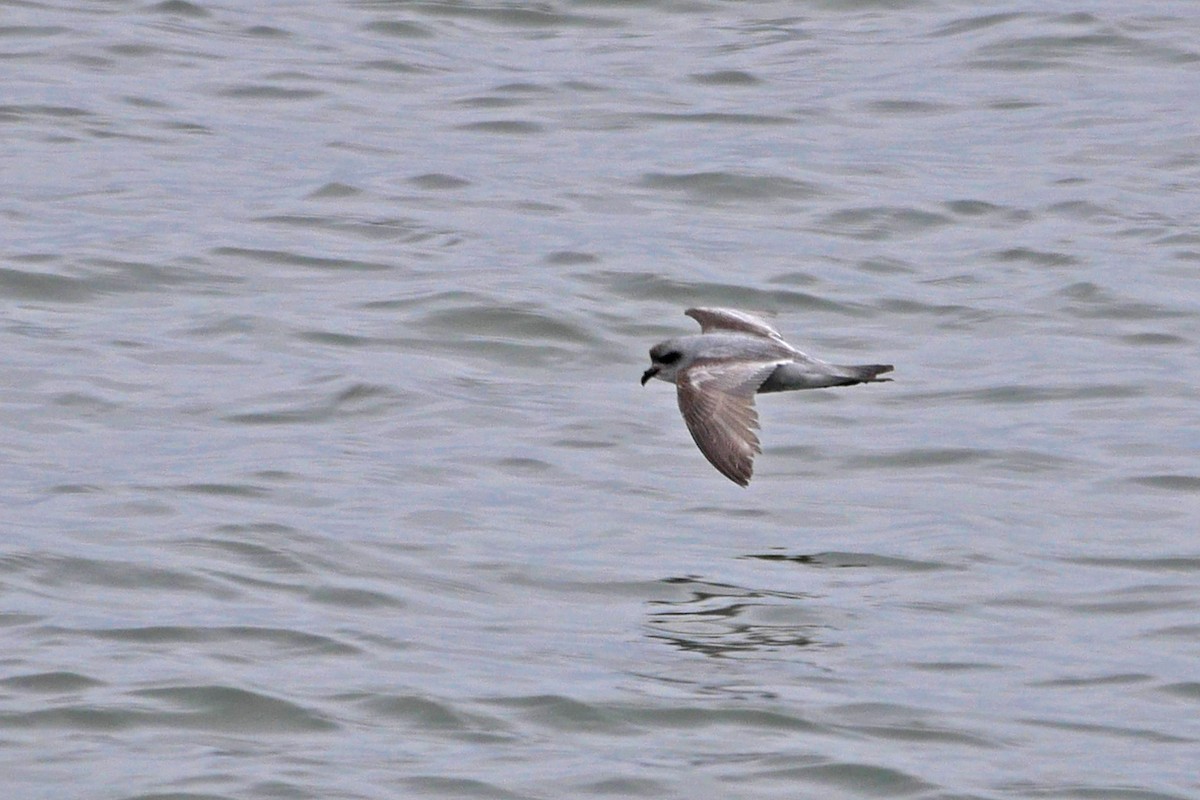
(721, 345)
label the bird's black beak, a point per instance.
(648, 374)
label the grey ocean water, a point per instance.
(327, 473)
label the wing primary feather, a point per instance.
(730, 319)
(717, 403)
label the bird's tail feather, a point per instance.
(866, 373)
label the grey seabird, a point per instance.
(718, 371)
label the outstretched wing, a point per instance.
(730, 319)
(717, 402)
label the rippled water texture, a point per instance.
(327, 470)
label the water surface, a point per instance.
(328, 470)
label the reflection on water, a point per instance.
(725, 620)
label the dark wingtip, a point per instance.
(742, 480)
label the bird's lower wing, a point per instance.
(717, 402)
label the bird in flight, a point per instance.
(718, 371)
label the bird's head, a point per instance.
(666, 359)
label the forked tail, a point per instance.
(866, 373)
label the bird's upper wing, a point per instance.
(717, 402)
(730, 319)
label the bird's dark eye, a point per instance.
(670, 358)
